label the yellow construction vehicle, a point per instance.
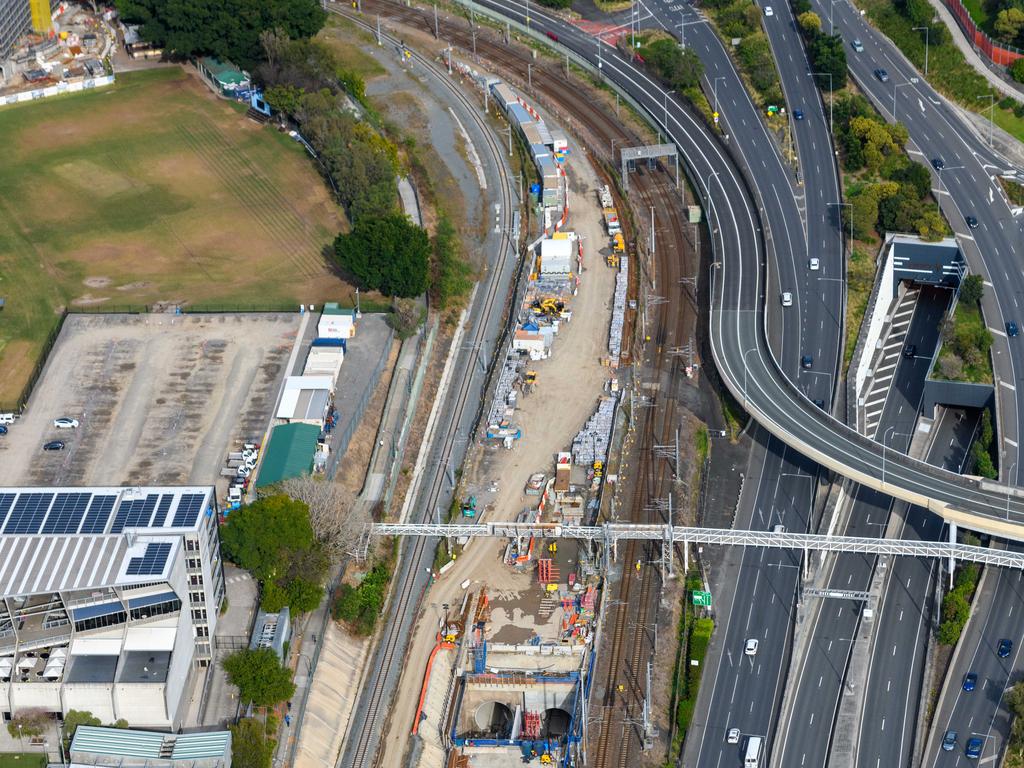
(598, 468)
(612, 260)
(545, 759)
(618, 243)
(549, 306)
(529, 381)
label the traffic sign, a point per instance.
(701, 599)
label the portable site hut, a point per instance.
(556, 256)
(290, 452)
(336, 323)
(324, 361)
(305, 399)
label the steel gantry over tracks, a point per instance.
(610, 534)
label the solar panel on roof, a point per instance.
(161, 510)
(66, 513)
(28, 513)
(98, 514)
(135, 513)
(152, 562)
(188, 510)
(6, 499)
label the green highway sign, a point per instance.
(702, 599)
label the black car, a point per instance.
(971, 222)
(806, 361)
(882, 75)
(1012, 329)
(910, 351)
(820, 403)
(1005, 648)
(54, 445)
(938, 163)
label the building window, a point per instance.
(98, 622)
(195, 563)
(196, 580)
(191, 545)
(202, 631)
(196, 598)
(199, 614)
(157, 609)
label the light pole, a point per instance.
(529, 75)
(991, 110)
(926, 36)
(745, 353)
(885, 438)
(613, 148)
(711, 203)
(667, 94)
(682, 29)
(720, 77)
(1009, 479)
(831, 96)
(938, 197)
(896, 85)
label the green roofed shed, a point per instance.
(224, 75)
(289, 453)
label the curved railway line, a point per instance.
(597, 128)
(405, 600)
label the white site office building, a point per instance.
(109, 599)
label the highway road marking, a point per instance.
(1008, 385)
(820, 679)
(883, 723)
(901, 615)
(1010, 442)
(735, 682)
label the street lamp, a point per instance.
(711, 203)
(894, 87)
(938, 197)
(1009, 479)
(715, 86)
(682, 29)
(926, 36)
(991, 111)
(667, 94)
(529, 75)
(885, 438)
(745, 353)
(831, 96)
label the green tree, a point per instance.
(1008, 24)
(914, 174)
(388, 253)
(1014, 699)
(972, 289)
(755, 54)
(228, 29)
(250, 746)
(261, 536)
(259, 677)
(810, 23)
(75, 718)
(120, 723)
(1017, 70)
(452, 278)
(284, 98)
(28, 722)
(828, 55)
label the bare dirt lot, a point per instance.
(159, 398)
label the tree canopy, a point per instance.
(228, 29)
(386, 253)
(250, 745)
(75, 718)
(259, 677)
(274, 540)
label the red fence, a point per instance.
(997, 53)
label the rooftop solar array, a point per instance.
(152, 562)
(32, 511)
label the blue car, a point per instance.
(970, 681)
(3, 429)
(1005, 648)
(949, 741)
(798, 114)
(1011, 329)
(973, 748)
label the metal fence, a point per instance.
(1002, 54)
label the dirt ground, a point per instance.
(160, 398)
(568, 388)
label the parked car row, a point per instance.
(239, 467)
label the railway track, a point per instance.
(600, 131)
(405, 599)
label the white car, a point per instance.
(65, 423)
(768, 11)
(787, 299)
(813, 265)
(751, 647)
(733, 736)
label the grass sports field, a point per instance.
(151, 191)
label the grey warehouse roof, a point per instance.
(147, 745)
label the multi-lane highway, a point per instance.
(966, 186)
(807, 733)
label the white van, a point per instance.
(6, 418)
(752, 759)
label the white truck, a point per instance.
(752, 758)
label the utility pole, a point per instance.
(529, 75)
(378, 29)
(436, 31)
(927, 35)
(509, 129)
(991, 111)
(449, 50)
(652, 233)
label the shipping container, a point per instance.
(533, 135)
(518, 114)
(504, 95)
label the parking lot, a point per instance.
(160, 398)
